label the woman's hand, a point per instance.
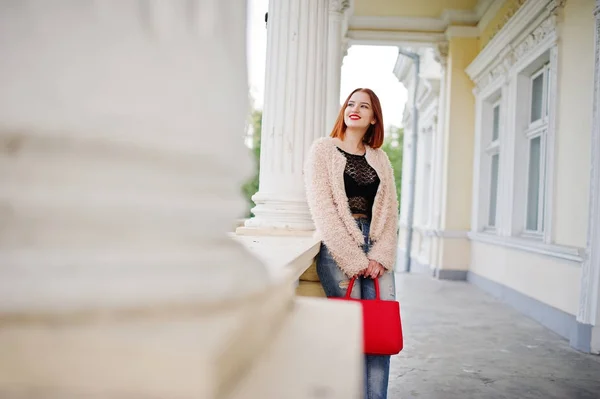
(374, 270)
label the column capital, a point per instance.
(441, 53)
(338, 6)
(345, 47)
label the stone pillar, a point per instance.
(457, 165)
(441, 56)
(294, 112)
(121, 158)
(335, 54)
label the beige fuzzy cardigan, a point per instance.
(328, 203)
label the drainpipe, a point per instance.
(413, 160)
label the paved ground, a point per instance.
(462, 343)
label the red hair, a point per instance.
(374, 135)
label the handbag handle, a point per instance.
(351, 285)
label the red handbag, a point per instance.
(382, 326)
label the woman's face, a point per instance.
(359, 112)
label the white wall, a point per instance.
(549, 280)
(574, 124)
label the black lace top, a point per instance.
(361, 183)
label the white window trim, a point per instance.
(539, 232)
(538, 128)
(529, 130)
(504, 71)
(484, 149)
(533, 246)
(491, 150)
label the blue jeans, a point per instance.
(335, 284)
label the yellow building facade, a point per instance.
(504, 192)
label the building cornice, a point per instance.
(386, 37)
(531, 26)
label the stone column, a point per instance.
(335, 54)
(453, 251)
(441, 56)
(442, 59)
(121, 159)
(294, 112)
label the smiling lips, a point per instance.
(354, 117)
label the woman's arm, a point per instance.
(385, 248)
(348, 255)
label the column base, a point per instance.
(270, 231)
(280, 215)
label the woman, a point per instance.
(352, 197)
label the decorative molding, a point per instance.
(345, 48)
(404, 30)
(339, 6)
(488, 66)
(398, 24)
(512, 30)
(448, 18)
(537, 247)
(374, 37)
(402, 68)
(504, 61)
(441, 53)
(535, 38)
(431, 91)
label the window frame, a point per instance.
(535, 129)
(493, 149)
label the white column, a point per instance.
(294, 111)
(335, 54)
(438, 158)
(588, 317)
(121, 158)
(406, 169)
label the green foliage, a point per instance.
(251, 186)
(393, 145)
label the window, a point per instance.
(535, 134)
(514, 168)
(493, 153)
